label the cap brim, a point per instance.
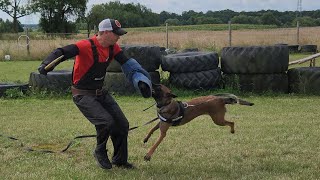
(120, 32)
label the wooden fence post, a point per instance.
(230, 34)
(28, 42)
(298, 32)
(167, 34)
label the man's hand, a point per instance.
(42, 69)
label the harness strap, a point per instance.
(180, 115)
(95, 52)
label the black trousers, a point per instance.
(104, 112)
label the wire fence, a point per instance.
(36, 46)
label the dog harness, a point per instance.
(175, 119)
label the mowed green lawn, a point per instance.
(277, 138)
(19, 71)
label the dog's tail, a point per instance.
(233, 99)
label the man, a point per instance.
(97, 105)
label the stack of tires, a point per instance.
(304, 80)
(308, 48)
(57, 81)
(193, 70)
(256, 68)
(149, 58)
(294, 48)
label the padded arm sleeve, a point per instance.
(136, 75)
(67, 52)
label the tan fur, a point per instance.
(214, 106)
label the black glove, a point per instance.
(42, 69)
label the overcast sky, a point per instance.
(178, 6)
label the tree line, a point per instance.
(263, 17)
(69, 16)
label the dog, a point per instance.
(176, 113)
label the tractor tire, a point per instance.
(190, 62)
(293, 48)
(4, 87)
(304, 80)
(255, 60)
(117, 82)
(149, 57)
(58, 81)
(197, 80)
(257, 83)
(308, 48)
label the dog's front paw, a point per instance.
(147, 157)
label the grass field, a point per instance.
(204, 37)
(275, 139)
(19, 71)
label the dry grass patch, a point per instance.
(203, 39)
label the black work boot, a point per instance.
(102, 159)
(100, 153)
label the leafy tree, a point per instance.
(287, 17)
(305, 21)
(269, 19)
(6, 26)
(207, 20)
(16, 10)
(316, 14)
(130, 15)
(134, 15)
(318, 21)
(190, 21)
(163, 16)
(189, 17)
(313, 14)
(224, 15)
(244, 19)
(56, 15)
(173, 22)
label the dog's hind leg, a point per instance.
(151, 132)
(218, 119)
(163, 132)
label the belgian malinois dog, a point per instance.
(175, 113)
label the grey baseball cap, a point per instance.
(112, 25)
